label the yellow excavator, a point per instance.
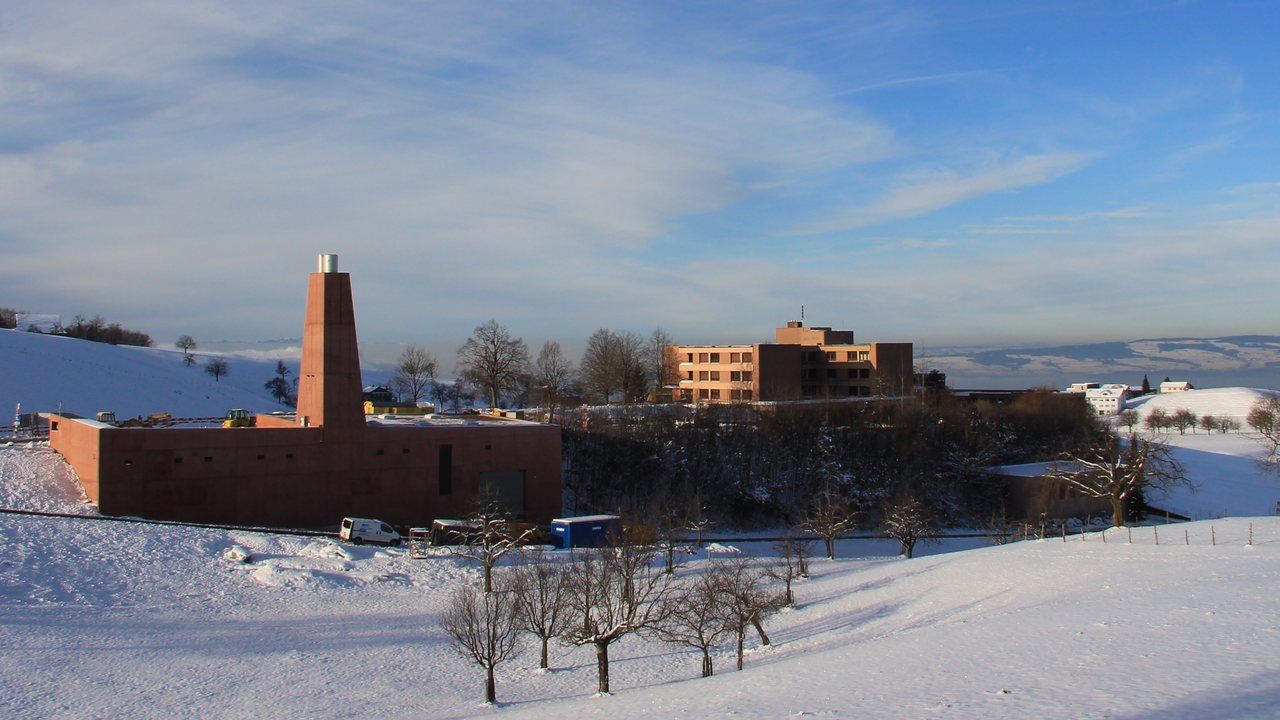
(239, 418)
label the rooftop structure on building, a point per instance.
(327, 461)
(803, 363)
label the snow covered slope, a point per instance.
(1220, 402)
(43, 371)
(118, 619)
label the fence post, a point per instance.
(1251, 533)
(1064, 532)
(1130, 534)
(1213, 535)
(1157, 529)
(1186, 536)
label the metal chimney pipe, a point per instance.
(328, 264)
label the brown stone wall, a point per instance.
(307, 477)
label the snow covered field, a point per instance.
(118, 619)
(108, 619)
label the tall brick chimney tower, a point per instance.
(330, 392)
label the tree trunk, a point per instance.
(544, 653)
(602, 666)
(831, 548)
(490, 688)
(909, 548)
(706, 664)
(791, 599)
(742, 635)
(488, 578)
(764, 639)
(1117, 511)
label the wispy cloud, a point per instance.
(924, 191)
(1130, 212)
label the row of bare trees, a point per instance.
(600, 596)
(616, 366)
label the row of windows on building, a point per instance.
(834, 356)
(833, 374)
(714, 376)
(738, 357)
(715, 394)
(851, 391)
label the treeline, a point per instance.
(500, 370)
(95, 329)
(768, 467)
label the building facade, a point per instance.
(804, 363)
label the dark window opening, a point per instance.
(446, 469)
(488, 447)
(404, 451)
(288, 456)
(505, 489)
(262, 457)
(379, 452)
(128, 462)
(208, 459)
(177, 460)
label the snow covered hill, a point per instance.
(118, 619)
(45, 371)
(1219, 362)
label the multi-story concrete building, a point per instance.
(804, 363)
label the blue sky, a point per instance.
(942, 173)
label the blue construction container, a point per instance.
(588, 531)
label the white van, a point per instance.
(359, 531)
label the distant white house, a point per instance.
(1108, 399)
(1104, 399)
(1172, 387)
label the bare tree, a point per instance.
(793, 552)
(541, 587)
(1209, 423)
(663, 365)
(484, 628)
(1115, 468)
(553, 374)
(614, 363)
(908, 521)
(1157, 420)
(599, 364)
(186, 344)
(1129, 419)
(614, 596)
(698, 616)
(1264, 419)
(415, 369)
(747, 601)
(493, 535)
(1227, 424)
(1182, 419)
(829, 517)
(439, 392)
(217, 367)
(493, 360)
(669, 518)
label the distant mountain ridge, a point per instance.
(1249, 360)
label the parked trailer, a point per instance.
(587, 531)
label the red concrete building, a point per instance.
(326, 462)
